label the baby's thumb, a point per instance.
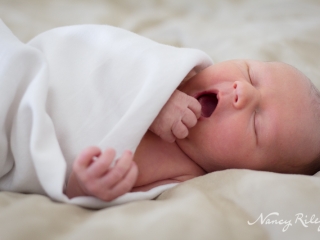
(195, 107)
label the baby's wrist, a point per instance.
(73, 188)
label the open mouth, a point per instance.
(209, 102)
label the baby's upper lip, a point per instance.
(210, 91)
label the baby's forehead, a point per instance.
(279, 72)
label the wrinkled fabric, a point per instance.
(74, 87)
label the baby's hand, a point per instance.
(94, 177)
(178, 114)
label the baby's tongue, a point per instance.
(208, 104)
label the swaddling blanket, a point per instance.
(74, 87)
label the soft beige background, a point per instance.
(282, 30)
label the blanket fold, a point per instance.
(73, 87)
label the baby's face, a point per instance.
(262, 117)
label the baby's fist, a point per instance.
(180, 113)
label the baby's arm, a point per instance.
(94, 177)
(178, 114)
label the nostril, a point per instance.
(235, 85)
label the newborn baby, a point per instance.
(235, 114)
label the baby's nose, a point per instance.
(244, 95)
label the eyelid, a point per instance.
(250, 80)
(249, 76)
(248, 71)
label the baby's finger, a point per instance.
(85, 158)
(179, 130)
(168, 137)
(163, 131)
(115, 174)
(126, 184)
(189, 119)
(195, 107)
(102, 164)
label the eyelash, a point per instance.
(255, 112)
(254, 124)
(250, 79)
(248, 72)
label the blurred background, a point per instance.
(282, 30)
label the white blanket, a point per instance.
(78, 86)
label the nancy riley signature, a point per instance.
(274, 219)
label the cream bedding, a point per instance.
(220, 205)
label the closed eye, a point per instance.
(249, 75)
(250, 80)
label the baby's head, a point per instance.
(255, 115)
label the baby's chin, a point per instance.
(190, 149)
